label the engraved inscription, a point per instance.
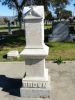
(39, 85)
(25, 85)
(44, 85)
(29, 84)
(35, 85)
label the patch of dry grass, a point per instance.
(60, 49)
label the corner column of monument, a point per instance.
(36, 82)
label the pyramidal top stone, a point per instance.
(32, 14)
(36, 11)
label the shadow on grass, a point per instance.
(10, 85)
(47, 32)
(16, 39)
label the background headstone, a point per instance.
(60, 31)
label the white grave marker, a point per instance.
(36, 81)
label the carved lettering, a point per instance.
(40, 85)
(44, 85)
(30, 84)
(35, 85)
(25, 85)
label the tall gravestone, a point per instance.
(36, 82)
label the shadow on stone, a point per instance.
(10, 85)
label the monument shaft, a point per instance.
(36, 82)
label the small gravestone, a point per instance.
(36, 82)
(60, 31)
(12, 54)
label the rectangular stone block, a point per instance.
(37, 82)
(34, 67)
(34, 31)
(35, 93)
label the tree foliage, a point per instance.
(15, 4)
(48, 16)
(46, 3)
(66, 14)
(6, 20)
(54, 3)
(63, 13)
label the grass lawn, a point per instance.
(65, 50)
(48, 26)
(4, 51)
(56, 50)
(61, 49)
(6, 27)
(12, 42)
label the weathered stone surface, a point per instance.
(35, 52)
(60, 31)
(13, 53)
(35, 82)
(34, 67)
(38, 9)
(34, 92)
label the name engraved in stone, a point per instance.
(29, 84)
(35, 85)
(25, 85)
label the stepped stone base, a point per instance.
(36, 86)
(36, 82)
(36, 89)
(35, 92)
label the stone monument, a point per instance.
(60, 31)
(36, 82)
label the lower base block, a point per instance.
(35, 92)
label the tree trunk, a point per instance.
(20, 18)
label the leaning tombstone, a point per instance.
(36, 82)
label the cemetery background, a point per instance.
(61, 76)
(16, 41)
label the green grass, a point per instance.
(48, 26)
(12, 42)
(6, 27)
(6, 49)
(57, 50)
(61, 49)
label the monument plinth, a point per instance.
(36, 82)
